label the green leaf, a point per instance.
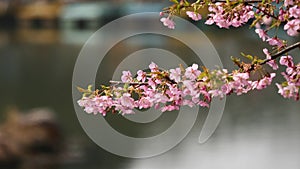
(126, 85)
(249, 57)
(236, 61)
(174, 1)
(90, 87)
(186, 3)
(260, 61)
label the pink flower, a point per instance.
(153, 67)
(267, 20)
(216, 93)
(85, 101)
(152, 83)
(141, 76)
(169, 108)
(173, 93)
(257, 26)
(292, 27)
(144, 103)
(271, 63)
(189, 88)
(102, 103)
(195, 16)
(226, 89)
(290, 91)
(127, 101)
(90, 110)
(286, 61)
(248, 14)
(126, 77)
(222, 23)
(192, 72)
(289, 70)
(188, 103)
(275, 42)
(175, 74)
(159, 98)
(236, 17)
(288, 2)
(125, 104)
(96, 104)
(209, 21)
(168, 22)
(294, 11)
(240, 84)
(236, 23)
(203, 104)
(281, 15)
(240, 76)
(262, 34)
(266, 81)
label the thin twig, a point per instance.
(266, 13)
(132, 83)
(278, 54)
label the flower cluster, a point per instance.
(290, 88)
(287, 14)
(224, 15)
(264, 16)
(168, 22)
(167, 90)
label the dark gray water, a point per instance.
(258, 130)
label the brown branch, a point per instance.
(132, 83)
(278, 54)
(266, 13)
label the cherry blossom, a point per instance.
(272, 63)
(286, 61)
(262, 34)
(141, 76)
(192, 72)
(292, 27)
(264, 82)
(288, 2)
(170, 89)
(275, 42)
(294, 11)
(126, 77)
(195, 16)
(168, 22)
(153, 67)
(175, 74)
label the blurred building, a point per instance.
(70, 13)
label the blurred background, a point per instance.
(39, 43)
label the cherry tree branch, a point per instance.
(132, 83)
(285, 50)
